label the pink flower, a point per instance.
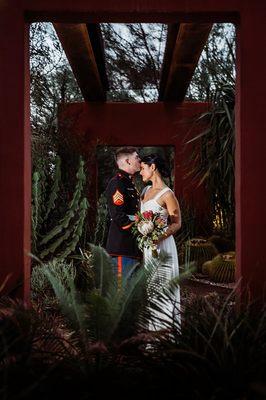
(136, 218)
(148, 214)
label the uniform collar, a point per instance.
(125, 174)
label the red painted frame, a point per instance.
(136, 124)
(250, 18)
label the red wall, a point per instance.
(149, 124)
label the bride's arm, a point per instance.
(173, 209)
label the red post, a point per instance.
(15, 156)
(251, 152)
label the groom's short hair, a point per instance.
(124, 151)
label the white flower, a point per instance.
(145, 227)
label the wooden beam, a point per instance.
(132, 11)
(79, 50)
(172, 32)
(97, 43)
(186, 43)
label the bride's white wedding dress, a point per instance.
(171, 308)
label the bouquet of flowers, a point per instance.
(148, 227)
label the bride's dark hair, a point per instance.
(159, 163)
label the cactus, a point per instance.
(55, 188)
(200, 250)
(206, 267)
(101, 221)
(37, 206)
(63, 238)
(223, 267)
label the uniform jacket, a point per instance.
(122, 201)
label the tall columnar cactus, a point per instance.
(38, 207)
(55, 188)
(63, 238)
(101, 221)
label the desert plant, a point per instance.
(94, 314)
(218, 354)
(206, 267)
(96, 305)
(41, 289)
(222, 268)
(102, 221)
(212, 162)
(199, 250)
(58, 239)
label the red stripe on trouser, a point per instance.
(119, 268)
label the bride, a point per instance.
(159, 198)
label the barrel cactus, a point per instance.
(222, 267)
(199, 250)
(206, 267)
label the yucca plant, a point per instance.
(212, 161)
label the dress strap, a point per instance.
(144, 191)
(166, 189)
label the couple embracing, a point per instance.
(124, 202)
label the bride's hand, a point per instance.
(161, 238)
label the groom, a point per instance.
(123, 203)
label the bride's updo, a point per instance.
(159, 163)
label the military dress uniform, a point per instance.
(123, 203)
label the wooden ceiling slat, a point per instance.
(82, 57)
(181, 59)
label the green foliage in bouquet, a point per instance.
(147, 228)
(199, 250)
(56, 228)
